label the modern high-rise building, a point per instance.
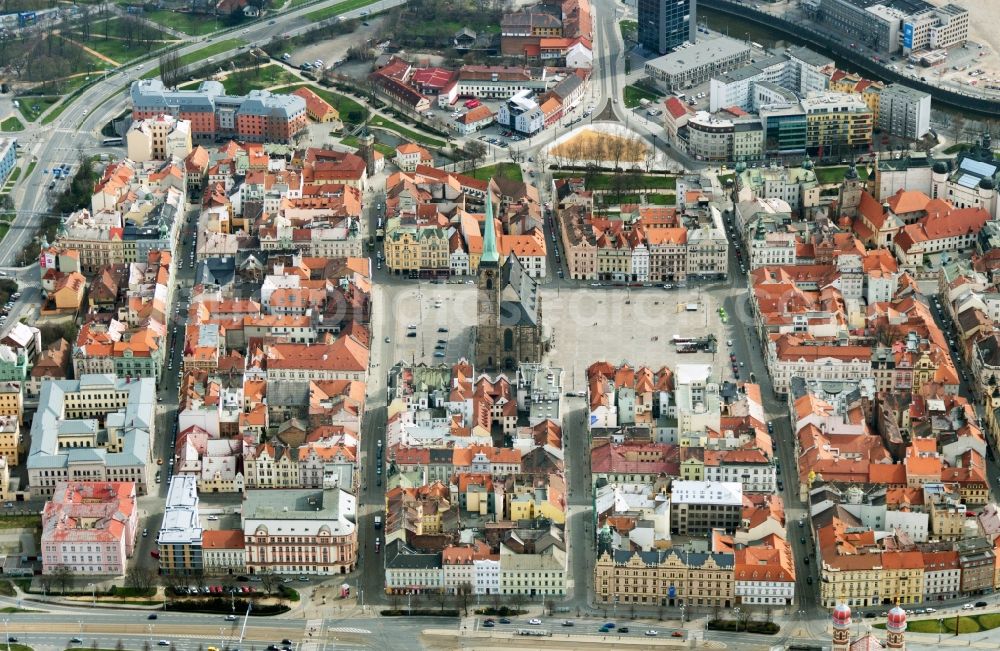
(665, 24)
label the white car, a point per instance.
(535, 622)
(652, 633)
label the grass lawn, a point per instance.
(379, 121)
(337, 9)
(267, 76)
(15, 174)
(19, 647)
(633, 95)
(350, 111)
(32, 106)
(831, 174)
(11, 124)
(7, 589)
(187, 23)
(970, 624)
(27, 173)
(506, 170)
(199, 56)
(115, 46)
(20, 521)
(661, 199)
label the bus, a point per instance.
(111, 142)
(535, 632)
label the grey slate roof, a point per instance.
(135, 421)
(519, 297)
(151, 95)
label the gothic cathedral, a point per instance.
(509, 328)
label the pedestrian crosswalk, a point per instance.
(345, 629)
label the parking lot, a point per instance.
(632, 325)
(442, 317)
(587, 324)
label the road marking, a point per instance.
(359, 631)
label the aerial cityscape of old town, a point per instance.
(572, 325)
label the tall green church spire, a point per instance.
(490, 255)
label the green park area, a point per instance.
(33, 106)
(351, 112)
(965, 623)
(242, 82)
(11, 124)
(504, 170)
(635, 94)
(190, 24)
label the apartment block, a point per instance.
(89, 528)
(259, 116)
(180, 540)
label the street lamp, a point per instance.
(6, 631)
(93, 595)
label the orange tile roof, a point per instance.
(222, 539)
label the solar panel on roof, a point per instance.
(978, 167)
(968, 181)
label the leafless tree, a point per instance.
(441, 598)
(139, 578)
(86, 21)
(464, 594)
(119, 646)
(958, 127)
(170, 68)
(63, 577)
(475, 151)
(550, 607)
(268, 581)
